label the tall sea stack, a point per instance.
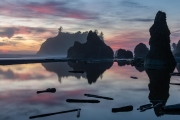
(160, 54)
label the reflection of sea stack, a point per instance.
(140, 68)
(123, 63)
(121, 53)
(159, 86)
(61, 69)
(93, 70)
(93, 48)
(141, 50)
(160, 53)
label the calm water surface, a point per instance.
(19, 83)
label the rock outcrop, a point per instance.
(160, 54)
(178, 67)
(140, 51)
(59, 44)
(121, 53)
(93, 48)
(176, 48)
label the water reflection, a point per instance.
(178, 67)
(18, 98)
(61, 69)
(139, 67)
(159, 87)
(123, 63)
(93, 70)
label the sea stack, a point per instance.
(59, 44)
(140, 51)
(176, 49)
(160, 54)
(94, 48)
(126, 54)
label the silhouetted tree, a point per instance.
(101, 36)
(60, 29)
(79, 32)
(96, 31)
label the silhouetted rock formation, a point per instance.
(178, 67)
(121, 53)
(60, 43)
(93, 70)
(160, 53)
(159, 86)
(141, 50)
(176, 48)
(93, 48)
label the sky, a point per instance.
(25, 25)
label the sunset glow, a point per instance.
(25, 25)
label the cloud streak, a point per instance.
(132, 4)
(11, 31)
(139, 20)
(48, 8)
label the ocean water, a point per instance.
(19, 84)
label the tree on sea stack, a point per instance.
(60, 29)
(160, 54)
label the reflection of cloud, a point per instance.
(2, 43)
(137, 89)
(24, 103)
(29, 97)
(9, 74)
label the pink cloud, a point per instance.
(30, 97)
(12, 75)
(40, 10)
(46, 9)
(128, 40)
